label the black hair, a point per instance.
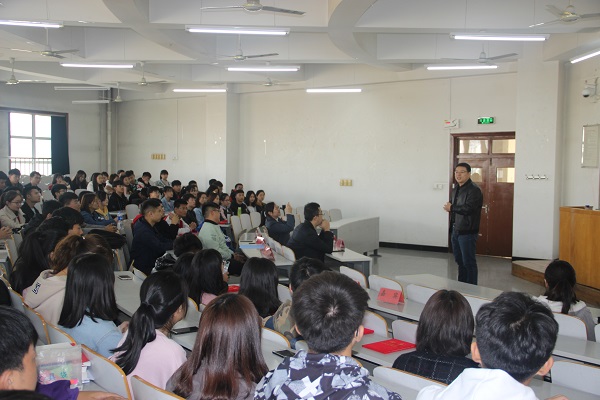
(203, 274)
(56, 176)
(161, 295)
(67, 197)
(561, 279)
(129, 173)
(464, 165)
(188, 242)
(236, 192)
(57, 187)
(28, 190)
(94, 179)
(49, 206)
(9, 195)
(516, 334)
(179, 202)
(258, 282)
(18, 335)
(269, 207)
(247, 198)
(239, 184)
(117, 182)
(54, 224)
(303, 269)
(86, 201)
(70, 216)
(3, 176)
(328, 310)
(83, 193)
(90, 290)
(153, 189)
(207, 207)
(34, 257)
(176, 182)
(34, 173)
(22, 395)
(164, 172)
(186, 197)
(14, 171)
(149, 205)
(211, 181)
(223, 196)
(102, 195)
(146, 173)
(168, 189)
(311, 210)
(446, 325)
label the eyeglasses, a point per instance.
(460, 172)
(16, 202)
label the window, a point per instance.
(30, 142)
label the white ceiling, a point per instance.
(392, 35)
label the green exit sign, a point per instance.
(486, 120)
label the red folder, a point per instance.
(368, 331)
(389, 346)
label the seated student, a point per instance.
(328, 310)
(58, 190)
(102, 209)
(34, 180)
(258, 282)
(191, 188)
(32, 195)
(225, 206)
(177, 192)
(89, 304)
(129, 183)
(97, 182)
(190, 215)
(279, 229)
(283, 321)
(3, 180)
(164, 179)
(58, 179)
(70, 199)
(250, 200)
(154, 192)
(148, 244)
(14, 175)
(259, 205)
(180, 210)
(200, 201)
(186, 243)
(18, 369)
(515, 338)
(89, 204)
(79, 181)
(146, 349)
(213, 238)
(11, 214)
(48, 207)
(305, 241)
(46, 294)
(236, 188)
(117, 200)
(560, 296)
(73, 219)
(444, 338)
(34, 257)
(167, 201)
(238, 207)
(204, 275)
(227, 361)
(144, 181)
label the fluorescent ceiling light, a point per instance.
(339, 90)
(585, 57)
(267, 68)
(90, 101)
(498, 37)
(440, 67)
(37, 24)
(82, 65)
(81, 88)
(200, 90)
(237, 30)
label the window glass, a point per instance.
(476, 146)
(506, 146)
(20, 124)
(476, 174)
(43, 126)
(505, 175)
(43, 148)
(20, 147)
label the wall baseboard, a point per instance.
(420, 247)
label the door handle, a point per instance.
(485, 207)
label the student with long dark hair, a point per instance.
(97, 182)
(226, 362)
(259, 282)
(89, 204)
(146, 350)
(79, 181)
(250, 200)
(47, 293)
(203, 274)
(90, 306)
(444, 337)
(560, 280)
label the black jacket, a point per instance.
(466, 208)
(279, 229)
(148, 244)
(306, 243)
(117, 203)
(29, 212)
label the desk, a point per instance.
(360, 234)
(578, 349)
(280, 261)
(353, 260)
(410, 310)
(438, 282)
(543, 390)
(375, 357)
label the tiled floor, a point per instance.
(494, 272)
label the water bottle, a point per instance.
(239, 211)
(120, 221)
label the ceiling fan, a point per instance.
(143, 81)
(13, 81)
(568, 15)
(239, 56)
(48, 52)
(269, 83)
(483, 58)
(255, 6)
(118, 98)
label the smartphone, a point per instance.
(125, 277)
(284, 353)
(189, 329)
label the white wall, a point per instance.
(389, 140)
(87, 140)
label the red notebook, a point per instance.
(389, 346)
(369, 331)
(233, 288)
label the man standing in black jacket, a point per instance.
(305, 242)
(465, 213)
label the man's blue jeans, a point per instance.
(464, 248)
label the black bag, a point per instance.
(115, 240)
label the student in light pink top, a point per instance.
(146, 350)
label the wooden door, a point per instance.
(492, 161)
